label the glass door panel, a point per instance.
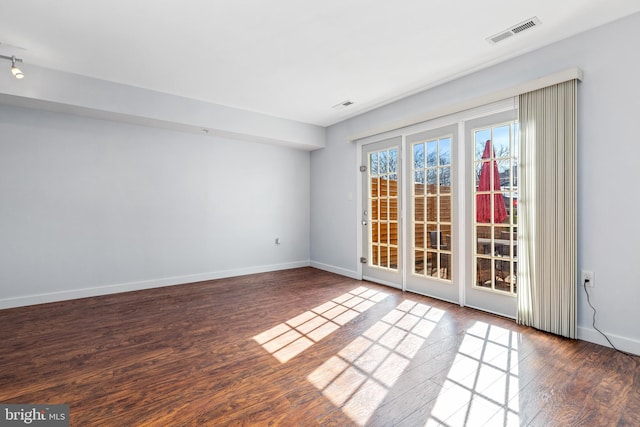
(493, 218)
(382, 259)
(431, 261)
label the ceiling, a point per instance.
(293, 59)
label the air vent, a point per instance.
(516, 29)
(342, 105)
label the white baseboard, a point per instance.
(21, 301)
(382, 282)
(337, 270)
(629, 345)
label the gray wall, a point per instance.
(92, 206)
(608, 175)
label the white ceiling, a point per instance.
(293, 59)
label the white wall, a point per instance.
(92, 206)
(608, 199)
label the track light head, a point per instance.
(17, 72)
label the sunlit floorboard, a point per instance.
(304, 347)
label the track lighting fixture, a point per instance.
(17, 72)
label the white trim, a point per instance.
(497, 313)
(405, 177)
(461, 210)
(337, 270)
(359, 207)
(432, 297)
(559, 77)
(43, 298)
(629, 345)
(452, 118)
(383, 282)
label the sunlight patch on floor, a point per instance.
(291, 338)
(359, 377)
(482, 385)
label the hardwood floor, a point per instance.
(304, 347)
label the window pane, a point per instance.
(393, 160)
(432, 153)
(508, 204)
(432, 179)
(478, 173)
(445, 209)
(375, 259)
(503, 271)
(393, 233)
(481, 140)
(501, 140)
(418, 212)
(384, 209)
(502, 242)
(434, 237)
(374, 232)
(418, 261)
(375, 211)
(445, 180)
(445, 237)
(383, 167)
(504, 169)
(483, 272)
(418, 237)
(445, 266)
(445, 152)
(432, 209)
(483, 240)
(393, 258)
(393, 185)
(373, 164)
(393, 209)
(384, 256)
(418, 156)
(432, 263)
(384, 185)
(384, 232)
(375, 187)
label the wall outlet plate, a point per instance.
(587, 275)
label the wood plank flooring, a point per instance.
(304, 347)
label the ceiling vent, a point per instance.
(516, 29)
(342, 105)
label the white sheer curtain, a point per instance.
(547, 282)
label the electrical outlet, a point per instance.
(588, 275)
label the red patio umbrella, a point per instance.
(483, 201)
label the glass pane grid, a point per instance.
(383, 205)
(431, 207)
(495, 207)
